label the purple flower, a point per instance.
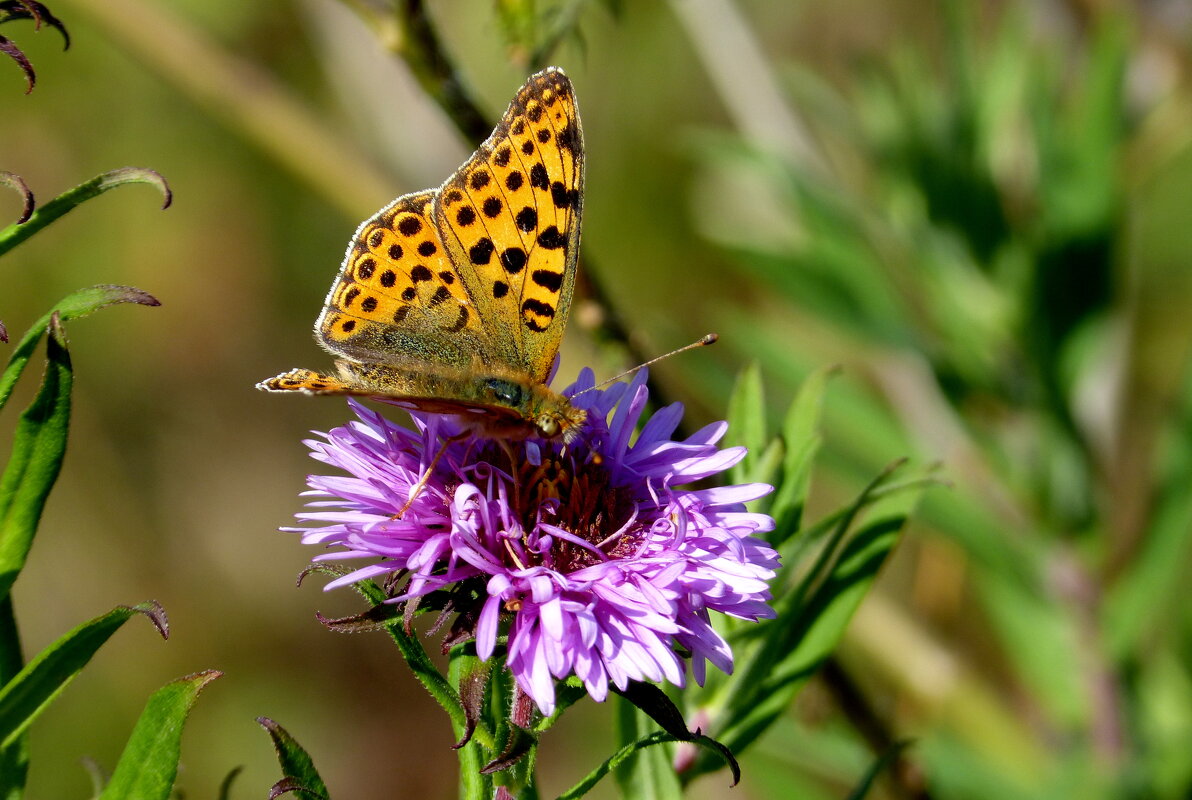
(587, 556)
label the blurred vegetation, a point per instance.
(976, 209)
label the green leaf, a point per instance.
(297, 767)
(655, 704)
(24, 697)
(19, 186)
(73, 306)
(647, 774)
(812, 618)
(225, 786)
(800, 434)
(149, 763)
(38, 448)
(747, 421)
(14, 234)
(14, 759)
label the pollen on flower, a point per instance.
(591, 557)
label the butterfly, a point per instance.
(454, 300)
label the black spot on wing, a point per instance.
(548, 279)
(568, 137)
(482, 251)
(526, 219)
(513, 260)
(551, 239)
(562, 197)
(532, 309)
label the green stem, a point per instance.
(472, 757)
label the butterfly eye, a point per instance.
(547, 426)
(505, 392)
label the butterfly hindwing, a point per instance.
(510, 218)
(398, 293)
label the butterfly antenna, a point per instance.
(703, 342)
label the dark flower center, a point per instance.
(588, 507)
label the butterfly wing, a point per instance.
(398, 298)
(510, 220)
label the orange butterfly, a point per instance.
(454, 300)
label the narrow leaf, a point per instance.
(12, 51)
(800, 434)
(24, 697)
(14, 759)
(18, 185)
(39, 445)
(617, 760)
(297, 767)
(812, 619)
(73, 306)
(647, 775)
(374, 619)
(225, 786)
(472, 685)
(747, 420)
(149, 763)
(655, 703)
(520, 744)
(13, 235)
(31, 9)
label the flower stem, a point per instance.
(473, 785)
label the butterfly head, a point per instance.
(559, 419)
(540, 412)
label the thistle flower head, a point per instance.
(585, 558)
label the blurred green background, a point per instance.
(979, 210)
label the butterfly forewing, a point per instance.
(510, 217)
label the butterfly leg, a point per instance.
(417, 488)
